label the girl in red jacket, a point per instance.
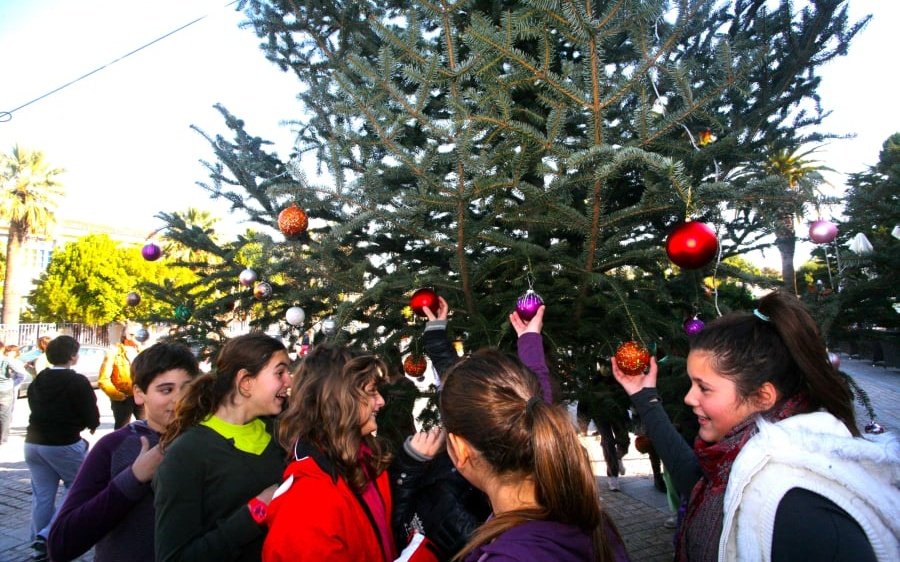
(335, 502)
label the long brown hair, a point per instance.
(780, 344)
(494, 402)
(328, 391)
(204, 395)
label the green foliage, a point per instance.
(483, 148)
(88, 279)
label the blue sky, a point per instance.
(123, 134)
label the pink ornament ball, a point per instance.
(822, 231)
(247, 277)
(151, 252)
(834, 359)
(528, 305)
(693, 326)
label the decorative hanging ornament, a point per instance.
(834, 359)
(415, 364)
(132, 299)
(262, 291)
(292, 221)
(822, 231)
(422, 298)
(705, 137)
(528, 305)
(693, 326)
(691, 245)
(859, 244)
(896, 231)
(294, 316)
(329, 326)
(642, 444)
(151, 252)
(247, 277)
(141, 335)
(182, 312)
(632, 358)
(874, 428)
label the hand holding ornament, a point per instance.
(533, 326)
(442, 310)
(633, 384)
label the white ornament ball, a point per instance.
(295, 316)
(329, 326)
(247, 277)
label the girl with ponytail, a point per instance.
(524, 453)
(779, 470)
(222, 463)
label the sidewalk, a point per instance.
(638, 510)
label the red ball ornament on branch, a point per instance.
(822, 231)
(632, 358)
(292, 221)
(415, 364)
(692, 245)
(151, 252)
(422, 298)
(528, 305)
(642, 444)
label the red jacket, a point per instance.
(316, 516)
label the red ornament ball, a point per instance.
(292, 221)
(151, 252)
(822, 231)
(528, 305)
(642, 444)
(415, 364)
(632, 358)
(422, 298)
(692, 245)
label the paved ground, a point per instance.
(638, 509)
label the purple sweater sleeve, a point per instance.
(531, 352)
(96, 503)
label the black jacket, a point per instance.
(62, 404)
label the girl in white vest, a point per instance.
(779, 470)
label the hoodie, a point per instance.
(542, 540)
(62, 404)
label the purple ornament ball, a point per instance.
(822, 231)
(151, 251)
(133, 299)
(247, 277)
(528, 305)
(693, 326)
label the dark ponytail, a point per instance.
(778, 343)
(493, 401)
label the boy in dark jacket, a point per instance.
(62, 404)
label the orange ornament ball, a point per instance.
(632, 358)
(292, 221)
(415, 364)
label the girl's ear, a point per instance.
(766, 396)
(459, 449)
(244, 383)
(138, 395)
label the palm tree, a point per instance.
(28, 198)
(802, 177)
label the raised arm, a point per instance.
(437, 345)
(531, 348)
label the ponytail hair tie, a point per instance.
(529, 406)
(760, 315)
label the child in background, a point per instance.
(221, 464)
(779, 470)
(110, 504)
(62, 405)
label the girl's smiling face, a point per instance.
(369, 407)
(268, 390)
(714, 398)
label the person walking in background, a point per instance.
(335, 502)
(63, 404)
(779, 470)
(221, 463)
(524, 453)
(12, 373)
(110, 504)
(115, 380)
(40, 362)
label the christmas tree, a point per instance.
(483, 148)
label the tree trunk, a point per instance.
(785, 241)
(11, 295)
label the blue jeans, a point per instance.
(48, 465)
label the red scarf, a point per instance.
(698, 536)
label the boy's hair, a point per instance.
(158, 359)
(62, 349)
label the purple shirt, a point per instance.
(107, 506)
(531, 352)
(543, 540)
